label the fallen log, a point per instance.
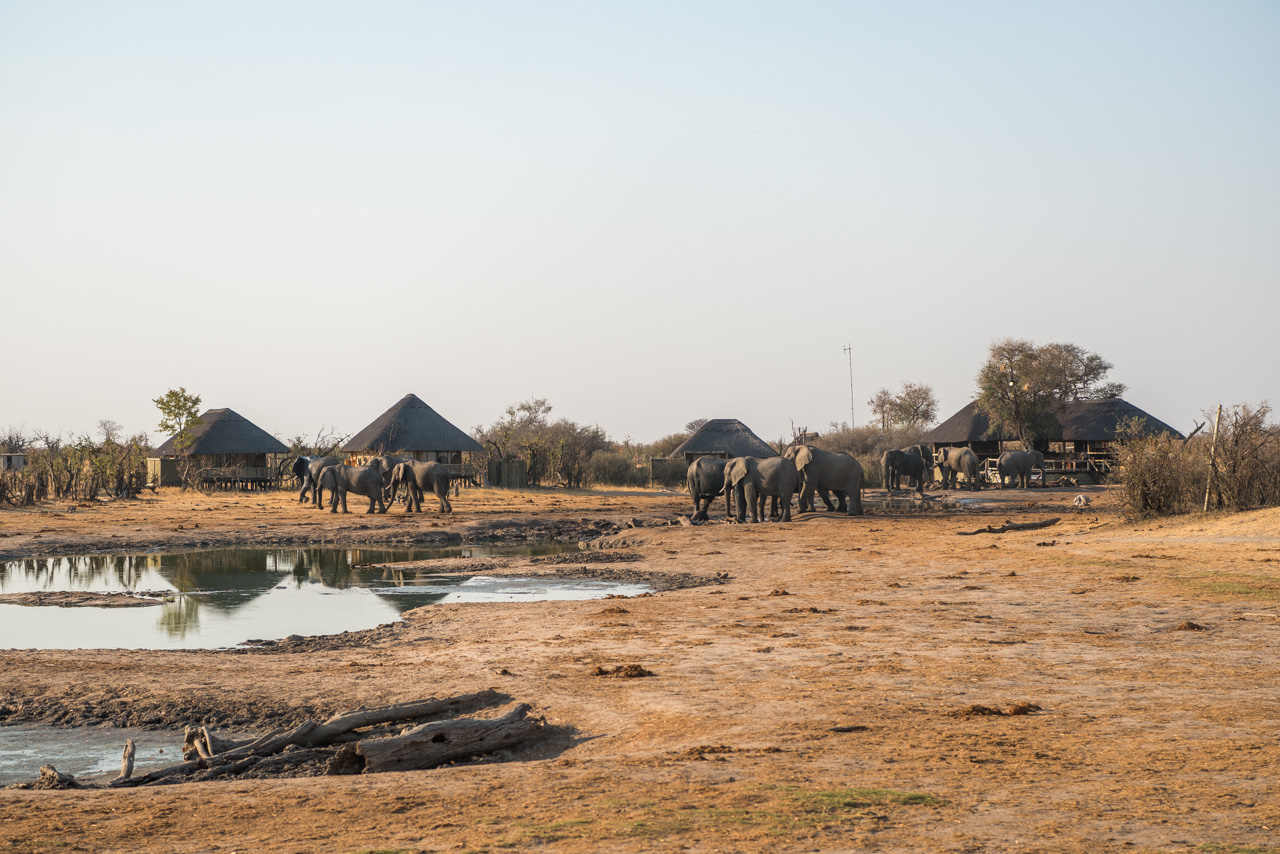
(1010, 526)
(382, 746)
(434, 744)
(337, 725)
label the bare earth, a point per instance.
(815, 698)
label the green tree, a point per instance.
(1022, 387)
(180, 415)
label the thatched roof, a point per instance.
(226, 431)
(1080, 421)
(727, 436)
(410, 425)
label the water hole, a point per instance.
(221, 598)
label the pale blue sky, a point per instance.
(646, 213)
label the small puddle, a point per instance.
(81, 751)
(223, 597)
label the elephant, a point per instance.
(751, 480)
(894, 464)
(956, 461)
(706, 481)
(824, 470)
(1018, 465)
(891, 469)
(926, 456)
(362, 480)
(307, 471)
(384, 464)
(418, 477)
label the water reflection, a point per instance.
(222, 597)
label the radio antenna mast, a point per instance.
(849, 350)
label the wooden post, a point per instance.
(1213, 453)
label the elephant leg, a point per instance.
(855, 502)
(740, 502)
(786, 507)
(842, 498)
(442, 492)
(826, 498)
(806, 497)
(752, 497)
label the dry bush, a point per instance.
(1247, 460)
(1161, 475)
(1164, 476)
(79, 470)
(615, 468)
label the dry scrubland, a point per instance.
(820, 698)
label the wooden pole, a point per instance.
(1213, 453)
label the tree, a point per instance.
(1023, 387)
(915, 406)
(180, 415)
(881, 404)
(695, 425)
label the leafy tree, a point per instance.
(1023, 387)
(915, 406)
(180, 415)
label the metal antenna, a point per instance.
(849, 350)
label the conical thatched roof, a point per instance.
(226, 431)
(727, 436)
(1080, 421)
(410, 425)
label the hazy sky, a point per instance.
(644, 212)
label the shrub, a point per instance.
(1164, 476)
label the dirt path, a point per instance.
(814, 699)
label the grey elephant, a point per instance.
(419, 478)
(926, 456)
(753, 480)
(1018, 465)
(891, 469)
(307, 471)
(362, 480)
(896, 463)
(384, 463)
(706, 481)
(821, 471)
(957, 461)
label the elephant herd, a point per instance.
(379, 481)
(746, 482)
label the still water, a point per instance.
(224, 597)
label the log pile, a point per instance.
(404, 737)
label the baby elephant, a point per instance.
(362, 480)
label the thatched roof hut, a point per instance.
(226, 433)
(412, 427)
(1083, 426)
(227, 448)
(725, 438)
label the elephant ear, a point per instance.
(804, 456)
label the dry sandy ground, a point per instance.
(818, 720)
